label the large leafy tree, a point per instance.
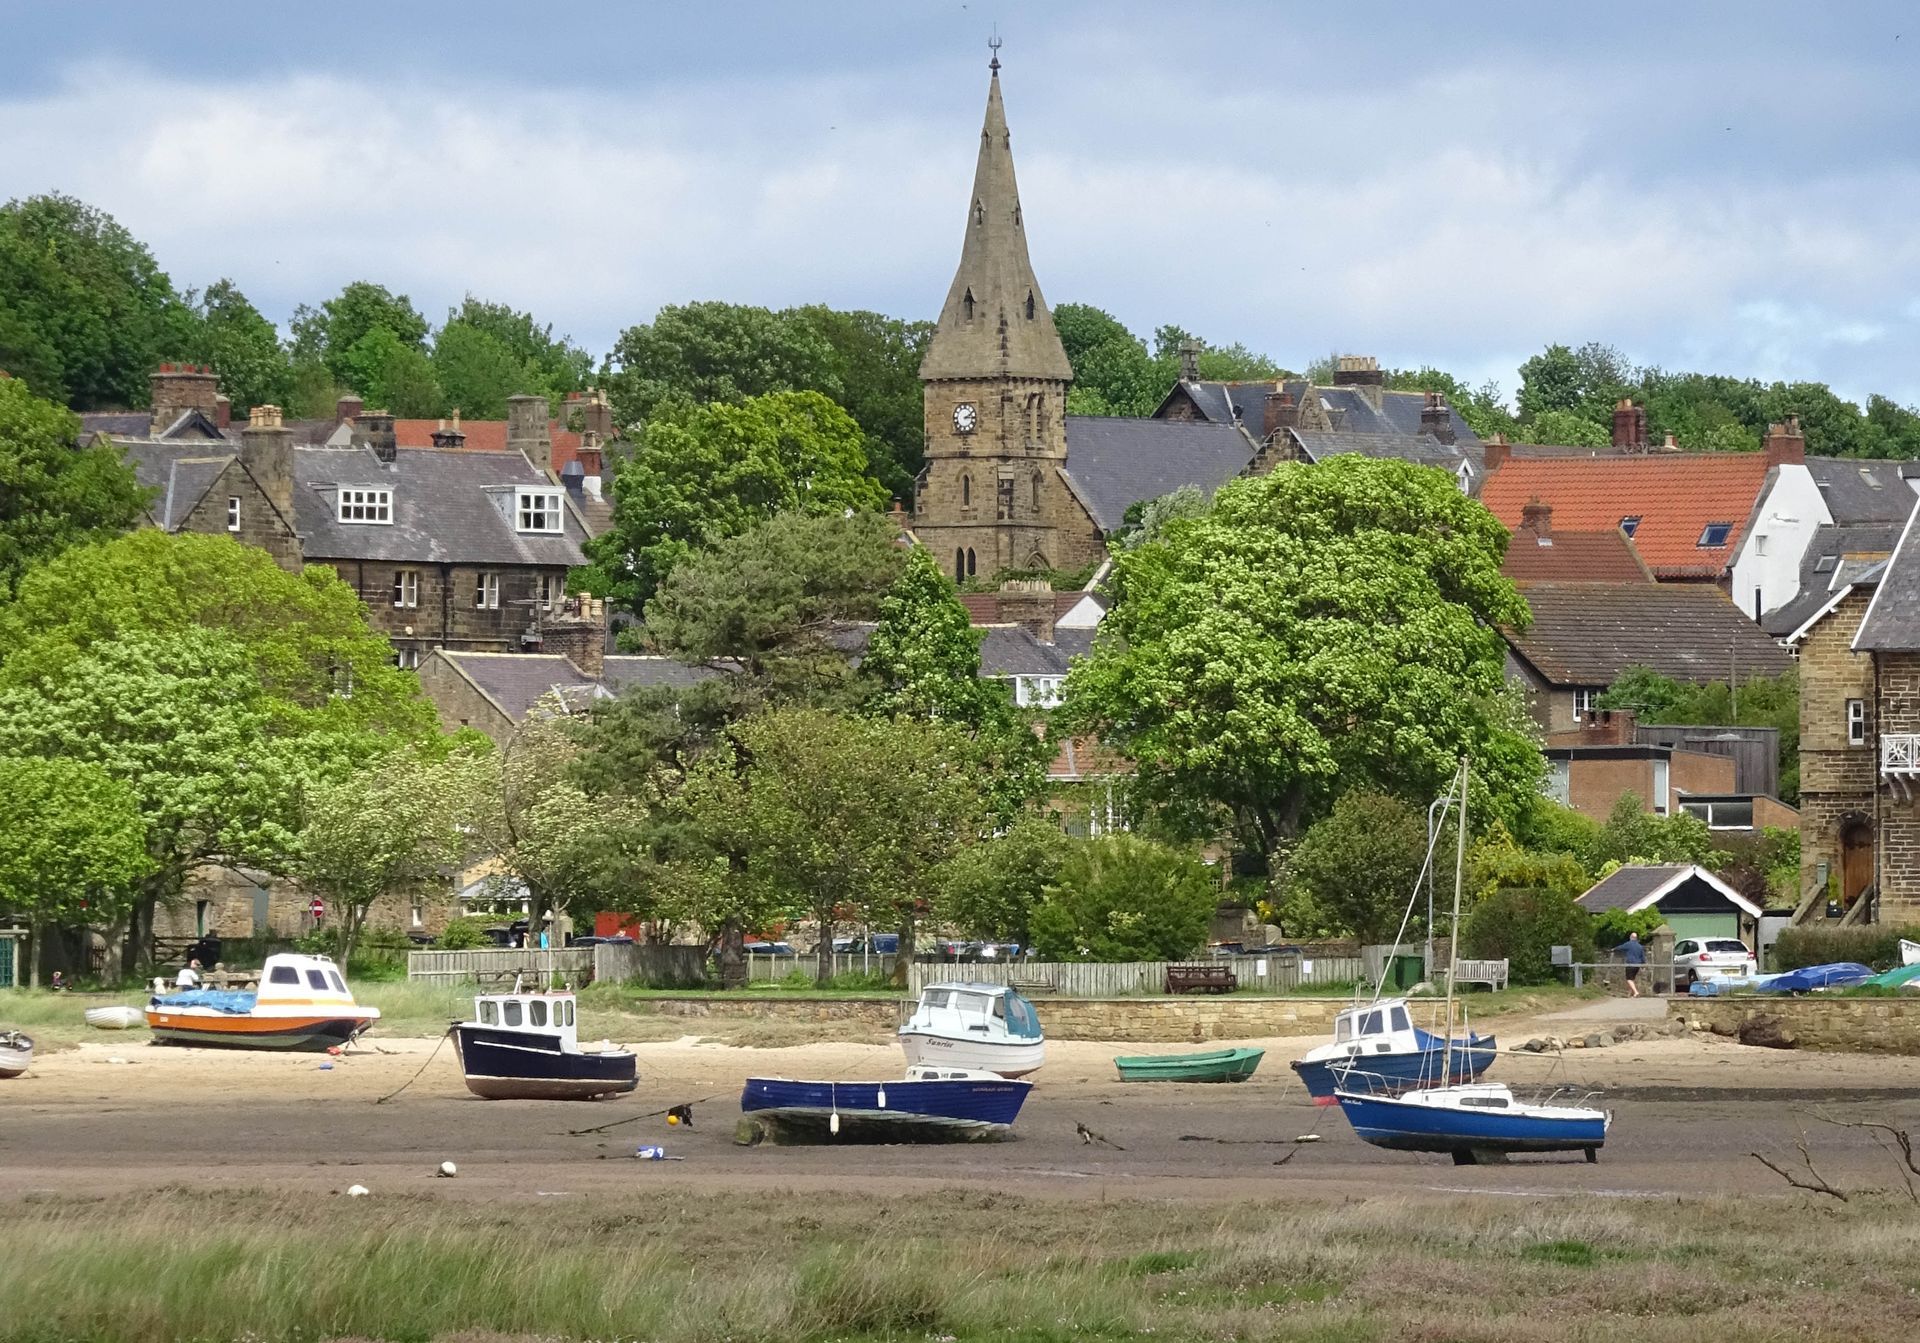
(707, 352)
(392, 374)
(876, 367)
(243, 347)
(1356, 867)
(53, 494)
(715, 472)
(327, 335)
(1322, 628)
(552, 364)
(75, 844)
(85, 310)
(1125, 898)
(991, 889)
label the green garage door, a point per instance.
(1704, 925)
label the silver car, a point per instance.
(1711, 958)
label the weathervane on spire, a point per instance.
(994, 43)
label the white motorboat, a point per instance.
(16, 1053)
(984, 1027)
(302, 1003)
(1380, 1038)
(1909, 952)
(115, 1018)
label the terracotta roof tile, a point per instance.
(1675, 498)
(487, 436)
(1574, 557)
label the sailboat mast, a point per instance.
(1453, 949)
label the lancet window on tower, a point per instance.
(1029, 305)
(967, 304)
(966, 490)
(979, 213)
(1036, 491)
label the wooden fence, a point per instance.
(675, 967)
(779, 967)
(1132, 979)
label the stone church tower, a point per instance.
(992, 496)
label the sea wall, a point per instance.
(1135, 1020)
(1850, 1025)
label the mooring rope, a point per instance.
(423, 1067)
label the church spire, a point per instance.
(995, 323)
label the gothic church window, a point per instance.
(959, 564)
(967, 303)
(1029, 305)
(966, 491)
(979, 213)
(969, 561)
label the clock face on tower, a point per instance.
(965, 418)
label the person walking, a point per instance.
(1634, 952)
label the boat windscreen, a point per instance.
(1022, 1020)
(934, 998)
(510, 1012)
(316, 980)
(536, 1013)
(489, 1012)
(339, 984)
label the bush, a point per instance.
(1123, 898)
(1877, 945)
(463, 934)
(1522, 927)
(1611, 927)
(1355, 870)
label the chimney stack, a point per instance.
(347, 409)
(1362, 373)
(1498, 450)
(1629, 426)
(576, 628)
(527, 431)
(1189, 360)
(1786, 445)
(179, 388)
(443, 437)
(589, 412)
(1537, 517)
(1028, 603)
(374, 428)
(266, 451)
(1282, 412)
(592, 463)
(1670, 443)
(1436, 418)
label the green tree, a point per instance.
(86, 313)
(717, 352)
(1567, 428)
(328, 335)
(243, 347)
(1522, 927)
(1763, 701)
(1123, 898)
(1498, 862)
(392, 375)
(75, 845)
(1633, 834)
(716, 472)
(1359, 865)
(476, 373)
(991, 889)
(876, 367)
(1322, 628)
(551, 364)
(54, 495)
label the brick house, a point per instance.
(1860, 743)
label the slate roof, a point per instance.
(1114, 462)
(1586, 634)
(515, 682)
(118, 423)
(1399, 413)
(450, 507)
(1574, 557)
(1629, 887)
(1859, 491)
(1009, 650)
(1834, 557)
(1675, 496)
(1892, 622)
(1420, 449)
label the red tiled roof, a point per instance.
(488, 436)
(1574, 557)
(983, 608)
(1674, 496)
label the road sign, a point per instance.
(317, 909)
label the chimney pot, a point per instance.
(1497, 452)
(1537, 517)
(1785, 443)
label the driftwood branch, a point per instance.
(1087, 1136)
(1889, 1138)
(1819, 1183)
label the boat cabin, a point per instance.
(1382, 1019)
(992, 1010)
(308, 980)
(545, 1014)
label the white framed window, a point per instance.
(1583, 704)
(366, 505)
(407, 659)
(233, 512)
(419, 912)
(1041, 692)
(552, 588)
(1856, 722)
(406, 587)
(540, 511)
(486, 592)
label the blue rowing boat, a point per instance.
(928, 1105)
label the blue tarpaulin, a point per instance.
(237, 1001)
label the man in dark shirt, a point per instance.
(1635, 955)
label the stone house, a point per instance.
(494, 692)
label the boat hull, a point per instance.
(1391, 1074)
(16, 1056)
(946, 1110)
(221, 1031)
(1403, 1125)
(113, 1018)
(1010, 1059)
(511, 1065)
(1221, 1065)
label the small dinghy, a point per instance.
(1381, 1038)
(1220, 1065)
(302, 1003)
(526, 1046)
(114, 1018)
(982, 1027)
(16, 1053)
(928, 1105)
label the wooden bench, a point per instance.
(1033, 986)
(1491, 973)
(1201, 979)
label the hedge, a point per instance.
(1876, 944)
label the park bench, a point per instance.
(1491, 973)
(1029, 987)
(1201, 979)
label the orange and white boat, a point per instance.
(302, 1003)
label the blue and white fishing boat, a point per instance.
(1397, 1055)
(526, 1046)
(985, 1027)
(930, 1104)
(1472, 1121)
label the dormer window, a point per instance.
(1715, 534)
(539, 511)
(357, 505)
(1630, 525)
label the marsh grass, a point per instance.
(951, 1264)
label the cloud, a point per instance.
(1463, 215)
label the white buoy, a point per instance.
(882, 1098)
(448, 1170)
(357, 1191)
(833, 1122)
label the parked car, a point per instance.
(767, 949)
(1711, 958)
(592, 940)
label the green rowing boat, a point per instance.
(1221, 1065)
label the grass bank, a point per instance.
(960, 1265)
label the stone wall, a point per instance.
(260, 522)
(459, 702)
(1020, 438)
(446, 613)
(1122, 1020)
(1850, 1025)
(1837, 779)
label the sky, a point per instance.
(1722, 187)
